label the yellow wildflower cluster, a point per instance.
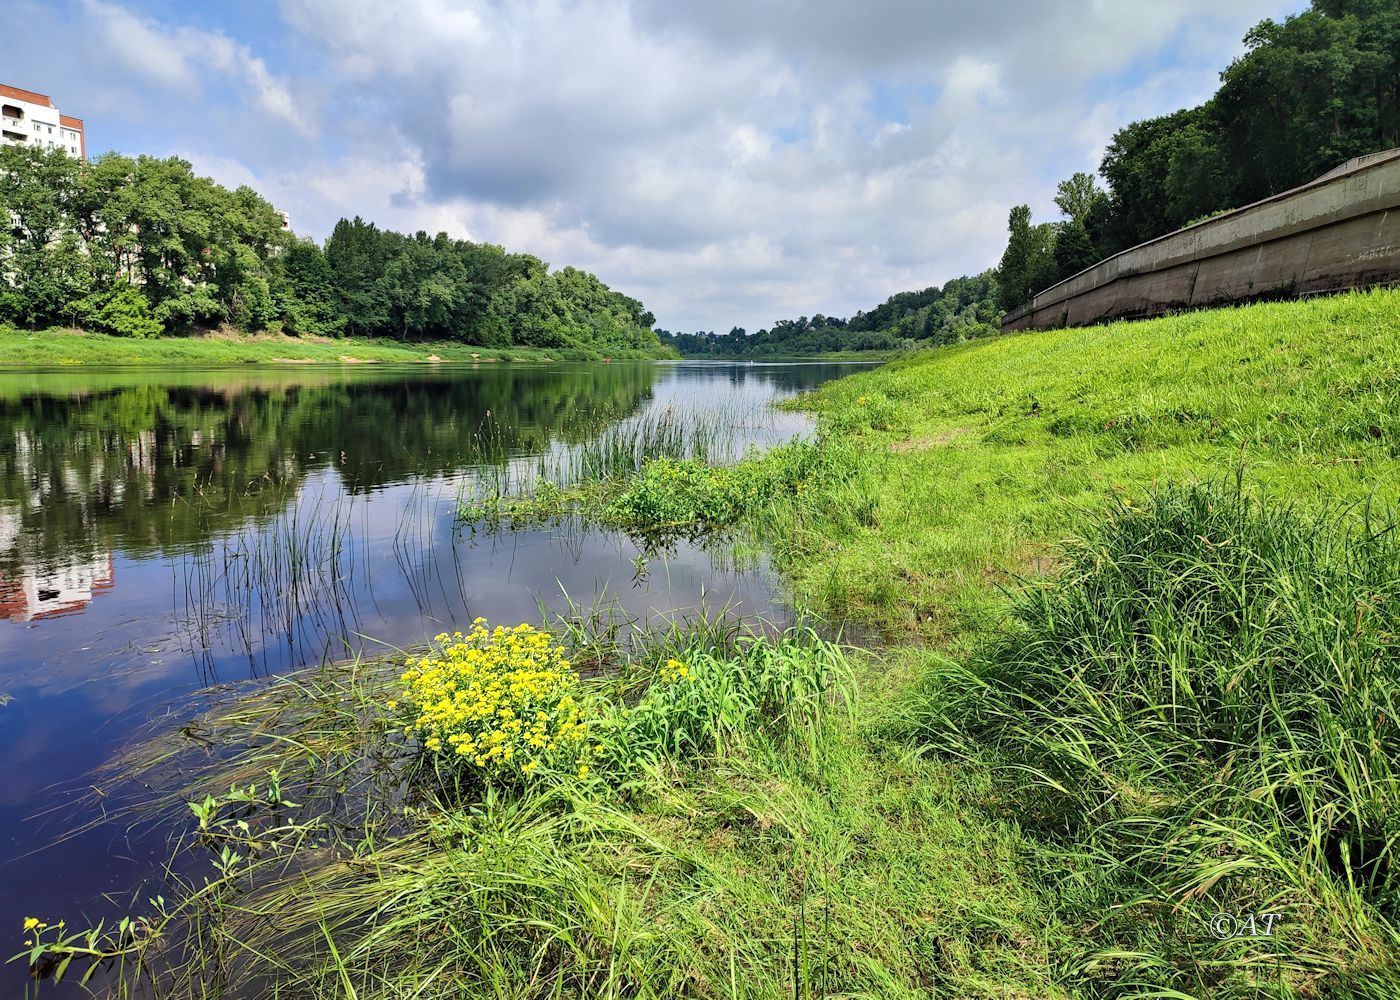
(675, 670)
(503, 700)
(35, 924)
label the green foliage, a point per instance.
(411, 288)
(1077, 197)
(307, 298)
(1338, 62)
(1074, 249)
(1028, 263)
(121, 310)
(962, 309)
(707, 701)
(872, 411)
(1203, 698)
(669, 493)
(410, 892)
(200, 255)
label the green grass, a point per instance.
(61, 347)
(1204, 701)
(999, 449)
(1140, 587)
(738, 841)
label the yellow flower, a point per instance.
(392, 704)
(30, 923)
(494, 697)
(861, 401)
(583, 770)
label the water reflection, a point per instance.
(151, 466)
(161, 532)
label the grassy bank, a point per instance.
(1139, 585)
(1141, 580)
(63, 347)
(983, 456)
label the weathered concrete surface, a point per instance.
(1337, 232)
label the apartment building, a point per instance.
(30, 119)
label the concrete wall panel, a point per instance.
(1338, 232)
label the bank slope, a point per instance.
(1145, 575)
(69, 348)
(980, 457)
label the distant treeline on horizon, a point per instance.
(142, 247)
(962, 309)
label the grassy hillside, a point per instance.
(982, 456)
(59, 347)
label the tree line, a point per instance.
(142, 247)
(1308, 94)
(962, 309)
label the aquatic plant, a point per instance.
(698, 702)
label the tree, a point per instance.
(143, 246)
(1074, 250)
(1339, 65)
(1028, 263)
(1077, 196)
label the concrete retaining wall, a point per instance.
(1337, 232)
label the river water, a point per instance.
(165, 531)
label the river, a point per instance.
(165, 531)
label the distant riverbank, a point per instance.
(62, 347)
(789, 358)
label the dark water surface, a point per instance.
(164, 531)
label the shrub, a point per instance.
(672, 492)
(122, 311)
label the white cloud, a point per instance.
(738, 162)
(733, 161)
(174, 58)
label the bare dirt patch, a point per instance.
(926, 441)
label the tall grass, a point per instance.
(568, 476)
(1206, 700)
(336, 871)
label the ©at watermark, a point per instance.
(1238, 925)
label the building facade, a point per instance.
(31, 119)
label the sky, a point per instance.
(728, 162)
